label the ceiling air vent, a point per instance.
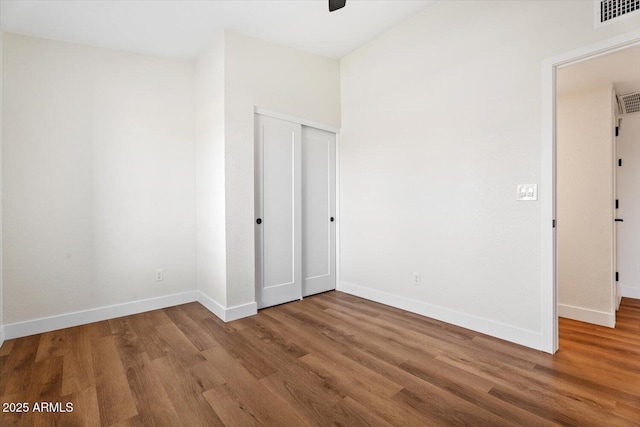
(629, 103)
(612, 9)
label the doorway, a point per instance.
(549, 175)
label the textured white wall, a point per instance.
(210, 165)
(628, 192)
(585, 201)
(281, 79)
(98, 177)
(441, 120)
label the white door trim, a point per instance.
(294, 119)
(338, 213)
(548, 174)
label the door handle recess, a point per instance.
(259, 221)
(331, 219)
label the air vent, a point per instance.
(612, 9)
(629, 103)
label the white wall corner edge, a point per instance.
(587, 315)
(629, 292)
(69, 320)
(527, 338)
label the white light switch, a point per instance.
(527, 192)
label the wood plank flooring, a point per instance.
(332, 359)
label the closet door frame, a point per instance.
(328, 128)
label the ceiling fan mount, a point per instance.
(336, 4)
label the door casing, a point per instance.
(547, 194)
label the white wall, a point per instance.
(210, 165)
(108, 177)
(585, 206)
(441, 120)
(98, 177)
(628, 191)
(281, 79)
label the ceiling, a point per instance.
(620, 69)
(182, 29)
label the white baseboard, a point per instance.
(629, 292)
(503, 331)
(68, 320)
(239, 311)
(227, 314)
(587, 315)
(212, 305)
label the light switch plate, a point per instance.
(527, 192)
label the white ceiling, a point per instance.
(620, 69)
(181, 29)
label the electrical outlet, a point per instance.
(416, 279)
(159, 275)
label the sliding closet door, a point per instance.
(278, 211)
(318, 211)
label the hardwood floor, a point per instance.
(332, 359)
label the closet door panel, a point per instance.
(278, 208)
(318, 210)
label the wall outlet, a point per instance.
(416, 279)
(159, 275)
